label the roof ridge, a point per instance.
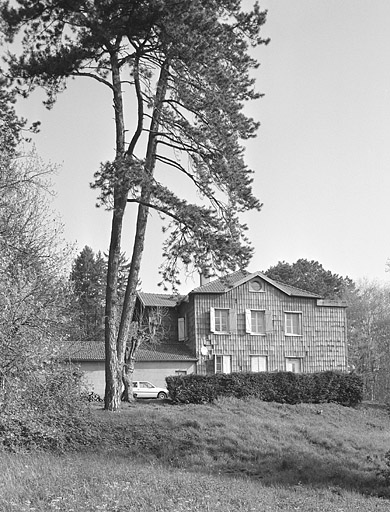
(220, 280)
(293, 286)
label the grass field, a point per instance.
(232, 456)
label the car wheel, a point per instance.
(162, 395)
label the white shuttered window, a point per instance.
(222, 320)
(258, 321)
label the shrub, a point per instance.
(45, 410)
(282, 387)
(194, 389)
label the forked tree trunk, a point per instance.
(116, 339)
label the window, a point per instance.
(145, 385)
(223, 364)
(180, 372)
(293, 364)
(293, 323)
(256, 285)
(222, 320)
(258, 321)
(258, 363)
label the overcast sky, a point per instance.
(321, 158)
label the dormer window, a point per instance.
(256, 285)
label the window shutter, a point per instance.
(286, 323)
(212, 319)
(248, 321)
(268, 321)
(180, 328)
(232, 320)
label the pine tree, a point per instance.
(88, 276)
(188, 64)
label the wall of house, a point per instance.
(94, 376)
(186, 310)
(154, 372)
(322, 345)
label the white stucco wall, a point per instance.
(154, 372)
(94, 376)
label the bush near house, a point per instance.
(45, 410)
(281, 387)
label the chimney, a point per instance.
(204, 278)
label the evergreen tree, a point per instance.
(188, 65)
(312, 277)
(88, 276)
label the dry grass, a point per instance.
(232, 456)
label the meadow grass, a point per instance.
(232, 456)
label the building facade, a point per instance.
(244, 322)
(248, 322)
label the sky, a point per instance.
(321, 157)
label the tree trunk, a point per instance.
(113, 368)
(128, 370)
(115, 362)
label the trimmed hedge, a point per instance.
(281, 387)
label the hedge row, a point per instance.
(281, 387)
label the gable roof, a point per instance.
(94, 351)
(222, 284)
(226, 283)
(159, 299)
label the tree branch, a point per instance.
(95, 77)
(157, 208)
(140, 104)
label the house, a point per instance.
(249, 322)
(243, 322)
(153, 363)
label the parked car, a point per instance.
(145, 389)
